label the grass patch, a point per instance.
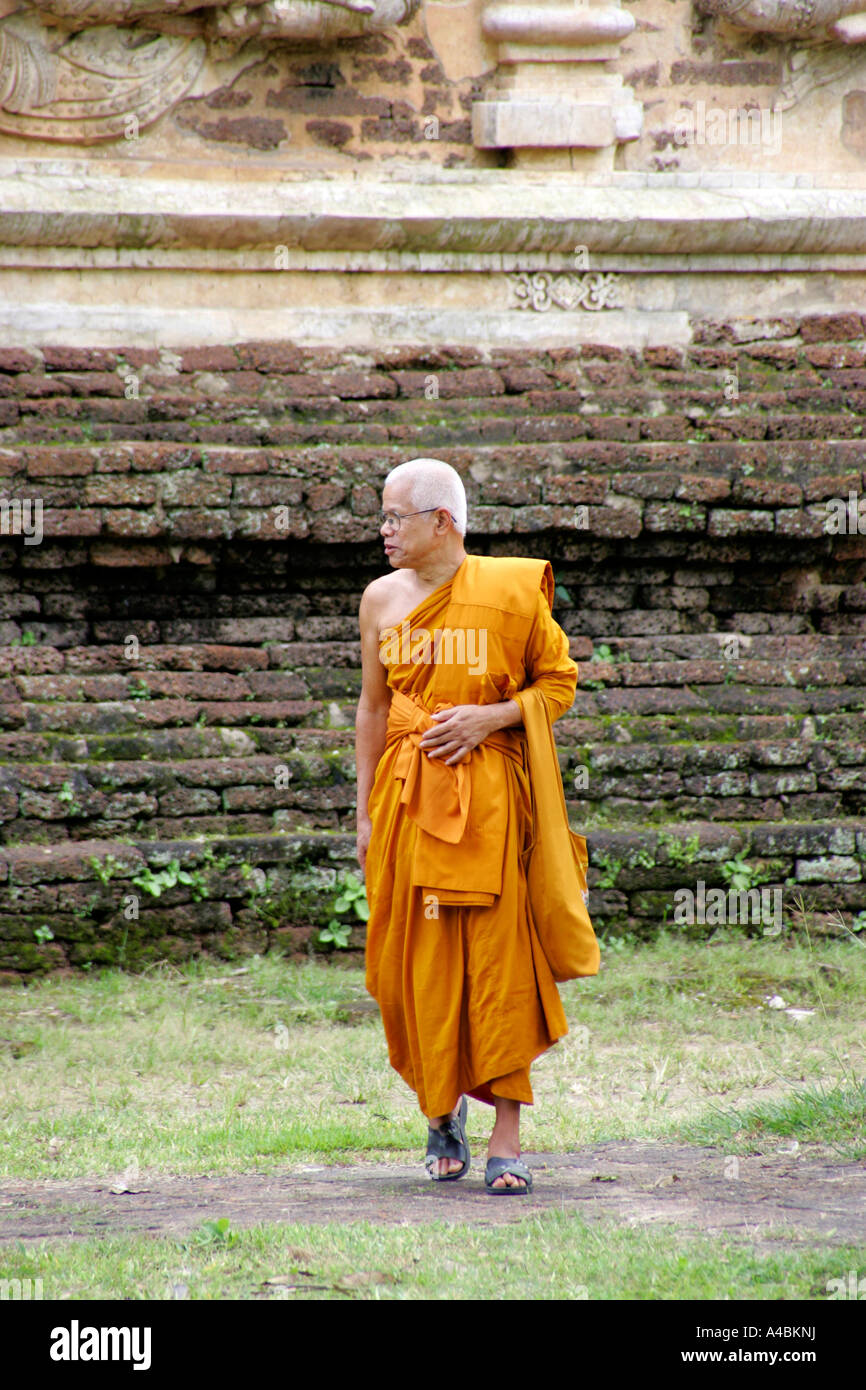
(211, 1068)
(548, 1256)
(834, 1118)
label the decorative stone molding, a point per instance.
(552, 89)
(592, 290)
(843, 20)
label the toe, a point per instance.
(509, 1180)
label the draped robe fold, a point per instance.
(453, 959)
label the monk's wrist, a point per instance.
(505, 714)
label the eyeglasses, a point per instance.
(393, 519)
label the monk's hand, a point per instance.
(457, 731)
(365, 830)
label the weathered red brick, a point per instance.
(519, 379)
(767, 493)
(73, 522)
(471, 382)
(724, 522)
(118, 556)
(76, 359)
(574, 488)
(822, 328)
(664, 356)
(123, 521)
(265, 492)
(749, 73)
(20, 360)
(644, 484)
(267, 356)
(695, 488)
(360, 385)
(835, 355)
(674, 516)
(324, 496)
(209, 359)
(114, 491)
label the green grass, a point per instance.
(834, 1118)
(206, 1068)
(547, 1256)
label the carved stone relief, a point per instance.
(542, 290)
(79, 71)
(843, 20)
(828, 33)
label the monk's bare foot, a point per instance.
(445, 1165)
(505, 1139)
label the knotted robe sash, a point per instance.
(448, 858)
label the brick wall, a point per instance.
(180, 664)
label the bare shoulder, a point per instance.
(379, 592)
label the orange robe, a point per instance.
(453, 957)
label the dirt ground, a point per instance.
(772, 1201)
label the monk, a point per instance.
(452, 647)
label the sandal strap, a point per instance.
(498, 1167)
(449, 1140)
(445, 1142)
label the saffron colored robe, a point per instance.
(453, 957)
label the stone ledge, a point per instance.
(56, 204)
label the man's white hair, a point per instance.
(433, 483)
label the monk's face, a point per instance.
(420, 536)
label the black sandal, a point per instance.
(449, 1141)
(497, 1168)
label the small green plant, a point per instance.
(103, 868)
(27, 639)
(138, 690)
(604, 653)
(352, 899)
(739, 874)
(43, 934)
(611, 867)
(679, 853)
(216, 1232)
(67, 795)
(213, 862)
(623, 941)
(169, 877)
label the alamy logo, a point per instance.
(852, 1287)
(714, 125)
(16, 1289)
(76, 1343)
(846, 518)
(446, 646)
(718, 907)
(21, 518)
